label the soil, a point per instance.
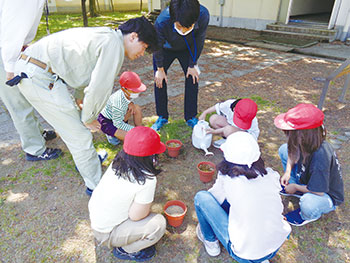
(174, 210)
(173, 145)
(205, 168)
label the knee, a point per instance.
(202, 197)
(158, 226)
(229, 130)
(308, 207)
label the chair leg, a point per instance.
(346, 85)
(323, 95)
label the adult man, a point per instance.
(181, 32)
(88, 60)
(19, 21)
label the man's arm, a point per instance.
(19, 23)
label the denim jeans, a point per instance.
(191, 90)
(213, 221)
(312, 206)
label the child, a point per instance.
(120, 205)
(119, 108)
(310, 163)
(231, 116)
(254, 229)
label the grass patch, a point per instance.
(58, 22)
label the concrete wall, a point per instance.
(74, 6)
(343, 19)
(250, 14)
(302, 7)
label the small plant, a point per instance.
(205, 167)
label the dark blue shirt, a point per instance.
(169, 39)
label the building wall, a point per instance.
(250, 14)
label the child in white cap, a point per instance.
(253, 229)
(120, 108)
(120, 204)
(312, 170)
(231, 116)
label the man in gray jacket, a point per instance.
(87, 60)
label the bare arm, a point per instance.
(139, 211)
(207, 111)
(292, 188)
(286, 176)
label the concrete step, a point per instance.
(313, 29)
(297, 35)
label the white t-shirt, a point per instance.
(224, 109)
(256, 226)
(110, 202)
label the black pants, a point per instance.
(191, 90)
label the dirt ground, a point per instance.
(43, 207)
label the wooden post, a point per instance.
(83, 7)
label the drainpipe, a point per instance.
(149, 2)
(221, 3)
(346, 28)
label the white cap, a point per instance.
(241, 148)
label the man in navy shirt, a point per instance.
(181, 32)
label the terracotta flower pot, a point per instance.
(173, 147)
(206, 175)
(175, 211)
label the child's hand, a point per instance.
(79, 102)
(202, 117)
(291, 188)
(93, 126)
(131, 108)
(210, 131)
(285, 179)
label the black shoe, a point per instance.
(49, 154)
(142, 255)
(49, 135)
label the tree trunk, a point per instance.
(83, 8)
(140, 5)
(92, 8)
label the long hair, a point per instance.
(141, 168)
(304, 142)
(233, 170)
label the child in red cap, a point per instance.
(120, 206)
(231, 116)
(120, 108)
(312, 170)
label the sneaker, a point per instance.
(212, 248)
(49, 135)
(218, 143)
(294, 218)
(266, 261)
(296, 194)
(159, 123)
(112, 140)
(49, 154)
(192, 122)
(142, 255)
(88, 191)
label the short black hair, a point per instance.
(144, 29)
(141, 168)
(186, 12)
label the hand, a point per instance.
(93, 126)
(159, 77)
(291, 188)
(79, 102)
(210, 131)
(193, 72)
(9, 75)
(131, 108)
(202, 117)
(285, 179)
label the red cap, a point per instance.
(301, 117)
(131, 81)
(143, 141)
(245, 112)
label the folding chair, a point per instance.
(344, 69)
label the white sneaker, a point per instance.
(218, 143)
(266, 261)
(212, 248)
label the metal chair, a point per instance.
(344, 69)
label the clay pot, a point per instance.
(173, 151)
(176, 218)
(206, 176)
